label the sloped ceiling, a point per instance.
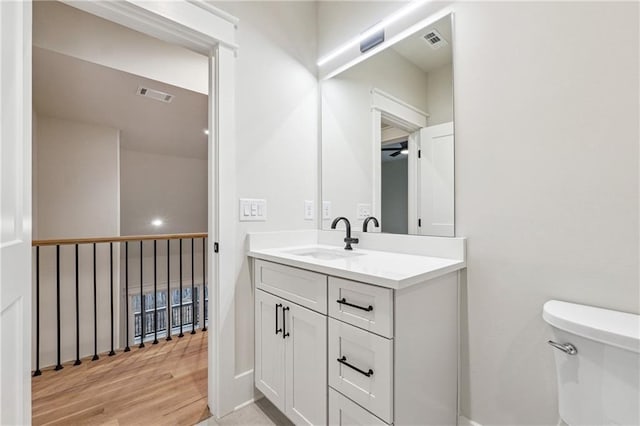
(68, 88)
(418, 51)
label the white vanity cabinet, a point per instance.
(291, 345)
(330, 350)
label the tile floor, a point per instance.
(260, 413)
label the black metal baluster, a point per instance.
(126, 294)
(155, 293)
(112, 352)
(181, 314)
(169, 305)
(95, 309)
(78, 362)
(193, 291)
(37, 372)
(204, 283)
(142, 311)
(59, 366)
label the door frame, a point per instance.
(410, 119)
(198, 26)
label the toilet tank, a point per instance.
(598, 385)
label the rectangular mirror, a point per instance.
(388, 137)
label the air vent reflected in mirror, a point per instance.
(435, 39)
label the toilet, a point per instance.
(597, 357)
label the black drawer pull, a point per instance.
(278, 305)
(285, 333)
(343, 301)
(343, 361)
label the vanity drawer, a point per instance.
(305, 288)
(361, 367)
(344, 412)
(373, 308)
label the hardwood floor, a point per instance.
(157, 385)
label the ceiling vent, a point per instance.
(435, 39)
(154, 94)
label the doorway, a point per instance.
(174, 24)
(116, 155)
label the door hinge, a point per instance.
(216, 248)
(419, 222)
(419, 153)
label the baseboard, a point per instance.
(463, 421)
(244, 404)
(246, 392)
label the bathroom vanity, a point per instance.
(364, 337)
(370, 336)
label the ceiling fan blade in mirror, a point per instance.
(395, 154)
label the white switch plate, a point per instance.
(253, 210)
(326, 210)
(308, 210)
(364, 211)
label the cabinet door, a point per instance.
(306, 366)
(269, 350)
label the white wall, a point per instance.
(347, 132)
(171, 188)
(67, 30)
(546, 186)
(276, 101)
(77, 193)
(440, 95)
(78, 190)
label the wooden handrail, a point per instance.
(90, 240)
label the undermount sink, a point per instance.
(324, 253)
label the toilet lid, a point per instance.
(620, 329)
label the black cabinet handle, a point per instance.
(285, 333)
(343, 361)
(278, 330)
(343, 301)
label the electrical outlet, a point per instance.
(364, 211)
(326, 210)
(308, 210)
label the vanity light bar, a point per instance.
(401, 13)
(393, 40)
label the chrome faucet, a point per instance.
(365, 224)
(348, 240)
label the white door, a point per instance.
(15, 212)
(436, 188)
(306, 365)
(269, 350)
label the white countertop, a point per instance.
(386, 269)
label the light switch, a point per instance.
(253, 210)
(308, 210)
(326, 210)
